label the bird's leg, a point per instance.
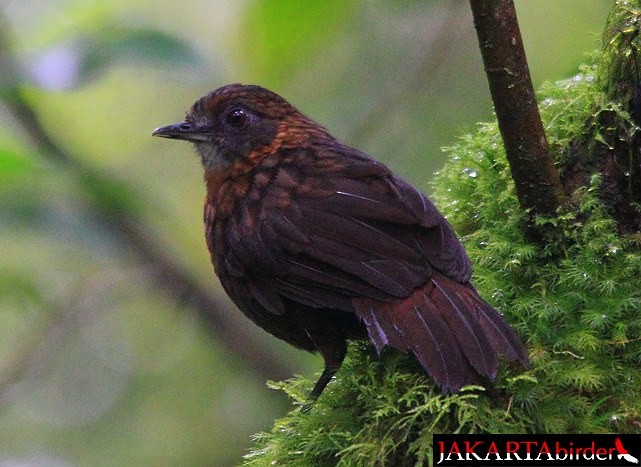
(333, 352)
(324, 379)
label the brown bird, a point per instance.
(319, 243)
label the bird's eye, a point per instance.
(236, 117)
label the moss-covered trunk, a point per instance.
(611, 142)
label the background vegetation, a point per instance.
(104, 357)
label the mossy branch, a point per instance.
(535, 176)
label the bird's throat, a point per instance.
(227, 184)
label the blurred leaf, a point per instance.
(13, 164)
(110, 194)
(14, 283)
(281, 34)
(85, 58)
(69, 19)
(149, 46)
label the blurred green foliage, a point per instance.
(13, 164)
(277, 33)
(100, 366)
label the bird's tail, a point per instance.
(455, 335)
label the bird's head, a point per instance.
(242, 122)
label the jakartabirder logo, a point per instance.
(535, 450)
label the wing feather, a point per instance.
(346, 234)
(358, 230)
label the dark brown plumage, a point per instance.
(318, 243)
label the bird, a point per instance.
(319, 243)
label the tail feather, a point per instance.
(459, 312)
(429, 339)
(494, 324)
(454, 334)
(382, 331)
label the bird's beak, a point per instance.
(187, 131)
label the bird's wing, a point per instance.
(337, 229)
(348, 235)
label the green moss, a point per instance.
(575, 299)
(621, 58)
(379, 411)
